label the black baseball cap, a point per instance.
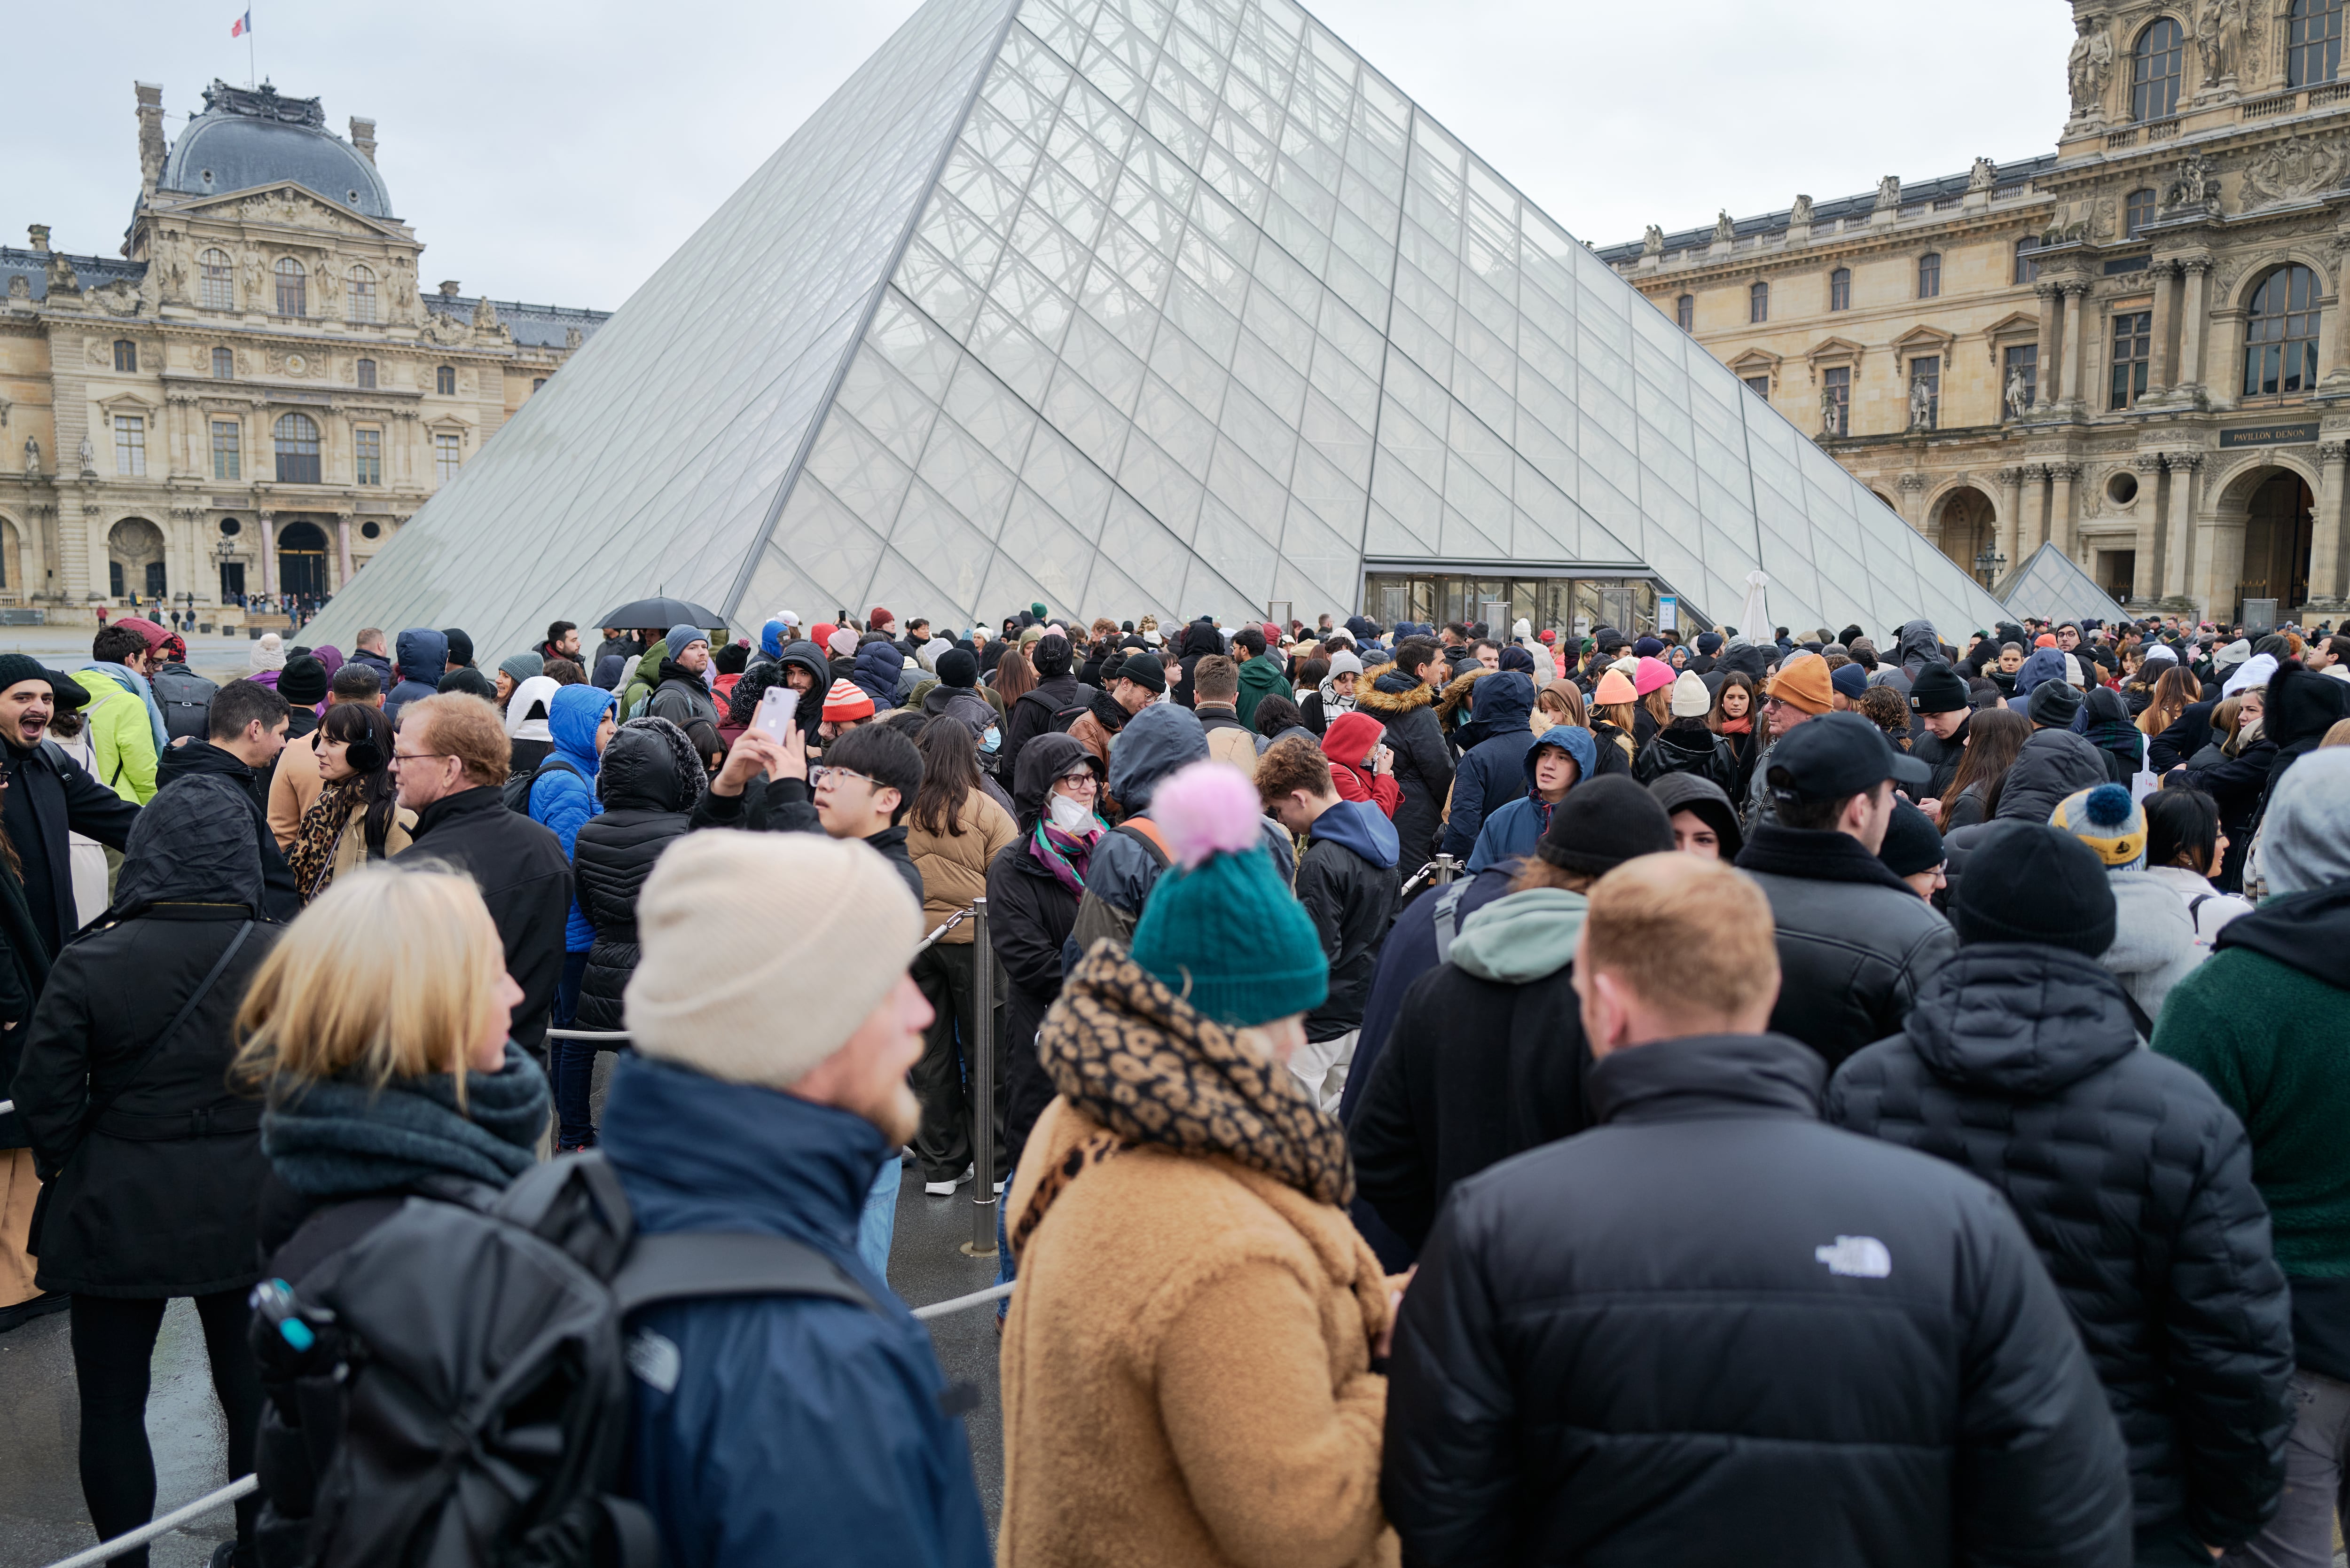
(1839, 754)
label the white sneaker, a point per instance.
(946, 1188)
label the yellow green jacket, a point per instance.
(121, 736)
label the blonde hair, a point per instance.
(388, 974)
(466, 728)
(1569, 699)
(1650, 914)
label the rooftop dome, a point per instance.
(248, 138)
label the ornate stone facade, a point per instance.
(257, 393)
(2132, 346)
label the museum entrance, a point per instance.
(302, 561)
(1966, 530)
(2277, 529)
(1570, 606)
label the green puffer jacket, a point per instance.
(642, 679)
(120, 738)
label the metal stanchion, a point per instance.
(1447, 868)
(983, 1088)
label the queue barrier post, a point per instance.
(983, 1088)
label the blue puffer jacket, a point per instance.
(879, 666)
(791, 1429)
(560, 800)
(1513, 831)
(424, 660)
(1492, 772)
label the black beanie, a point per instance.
(1912, 844)
(2052, 706)
(303, 680)
(19, 667)
(2028, 882)
(1936, 689)
(1050, 656)
(1143, 669)
(468, 680)
(959, 667)
(1603, 822)
(461, 646)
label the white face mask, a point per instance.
(991, 739)
(1071, 815)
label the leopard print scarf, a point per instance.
(1139, 1060)
(312, 860)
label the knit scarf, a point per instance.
(1065, 855)
(1138, 1059)
(339, 1137)
(2115, 735)
(313, 857)
(1741, 725)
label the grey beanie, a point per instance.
(2053, 704)
(523, 666)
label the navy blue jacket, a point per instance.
(1493, 773)
(794, 1430)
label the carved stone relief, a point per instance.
(2289, 169)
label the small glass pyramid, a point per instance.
(2051, 586)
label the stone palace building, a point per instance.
(2132, 346)
(256, 394)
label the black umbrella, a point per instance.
(663, 612)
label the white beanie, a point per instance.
(2073, 671)
(2255, 672)
(268, 653)
(762, 952)
(842, 643)
(1691, 698)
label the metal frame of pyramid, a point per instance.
(1128, 306)
(2051, 586)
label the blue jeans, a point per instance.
(876, 1227)
(1005, 1270)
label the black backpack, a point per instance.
(517, 794)
(186, 700)
(462, 1375)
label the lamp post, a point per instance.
(1989, 564)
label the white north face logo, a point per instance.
(1864, 1257)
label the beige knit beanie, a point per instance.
(764, 952)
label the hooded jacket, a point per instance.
(157, 1197)
(2042, 664)
(1630, 1346)
(1486, 1060)
(2021, 1063)
(1030, 914)
(1350, 738)
(1511, 833)
(2246, 1022)
(802, 655)
(2154, 940)
(424, 656)
(563, 796)
(1423, 763)
(2301, 706)
(123, 743)
(795, 1428)
(1266, 675)
(1193, 643)
(1346, 879)
(1855, 942)
(682, 697)
(881, 666)
(1031, 714)
(1686, 746)
(1492, 772)
(646, 789)
(1914, 647)
(645, 674)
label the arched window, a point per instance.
(2155, 68)
(218, 281)
(365, 371)
(2281, 334)
(444, 380)
(293, 290)
(298, 450)
(1758, 303)
(1840, 289)
(2137, 211)
(126, 354)
(223, 365)
(361, 294)
(2313, 51)
(1929, 276)
(1685, 311)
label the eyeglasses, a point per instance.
(1083, 779)
(400, 757)
(831, 774)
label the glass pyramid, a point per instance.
(2051, 586)
(1127, 305)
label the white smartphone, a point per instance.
(779, 705)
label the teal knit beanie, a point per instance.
(1221, 928)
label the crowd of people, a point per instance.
(1467, 1093)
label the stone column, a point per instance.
(2326, 531)
(2048, 391)
(2178, 552)
(343, 550)
(2166, 315)
(2076, 348)
(2009, 533)
(1910, 486)
(2147, 572)
(97, 581)
(2059, 504)
(2191, 323)
(268, 548)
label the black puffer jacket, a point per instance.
(1712, 1331)
(1423, 763)
(1686, 746)
(2021, 1063)
(1855, 942)
(645, 806)
(1029, 915)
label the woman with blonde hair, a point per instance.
(376, 1031)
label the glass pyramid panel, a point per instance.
(2051, 586)
(1172, 306)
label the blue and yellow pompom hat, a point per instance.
(2108, 821)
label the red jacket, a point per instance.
(1349, 745)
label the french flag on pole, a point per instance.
(241, 26)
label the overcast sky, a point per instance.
(557, 153)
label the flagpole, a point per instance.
(252, 73)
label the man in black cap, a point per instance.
(1855, 940)
(49, 796)
(1938, 705)
(2051, 705)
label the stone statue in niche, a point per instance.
(1652, 241)
(2088, 68)
(2218, 29)
(257, 281)
(1921, 403)
(1829, 411)
(2197, 185)
(32, 458)
(87, 454)
(2019, 395)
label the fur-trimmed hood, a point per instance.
(1393, 705)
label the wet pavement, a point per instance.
(68, 648)
(41, 1514)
